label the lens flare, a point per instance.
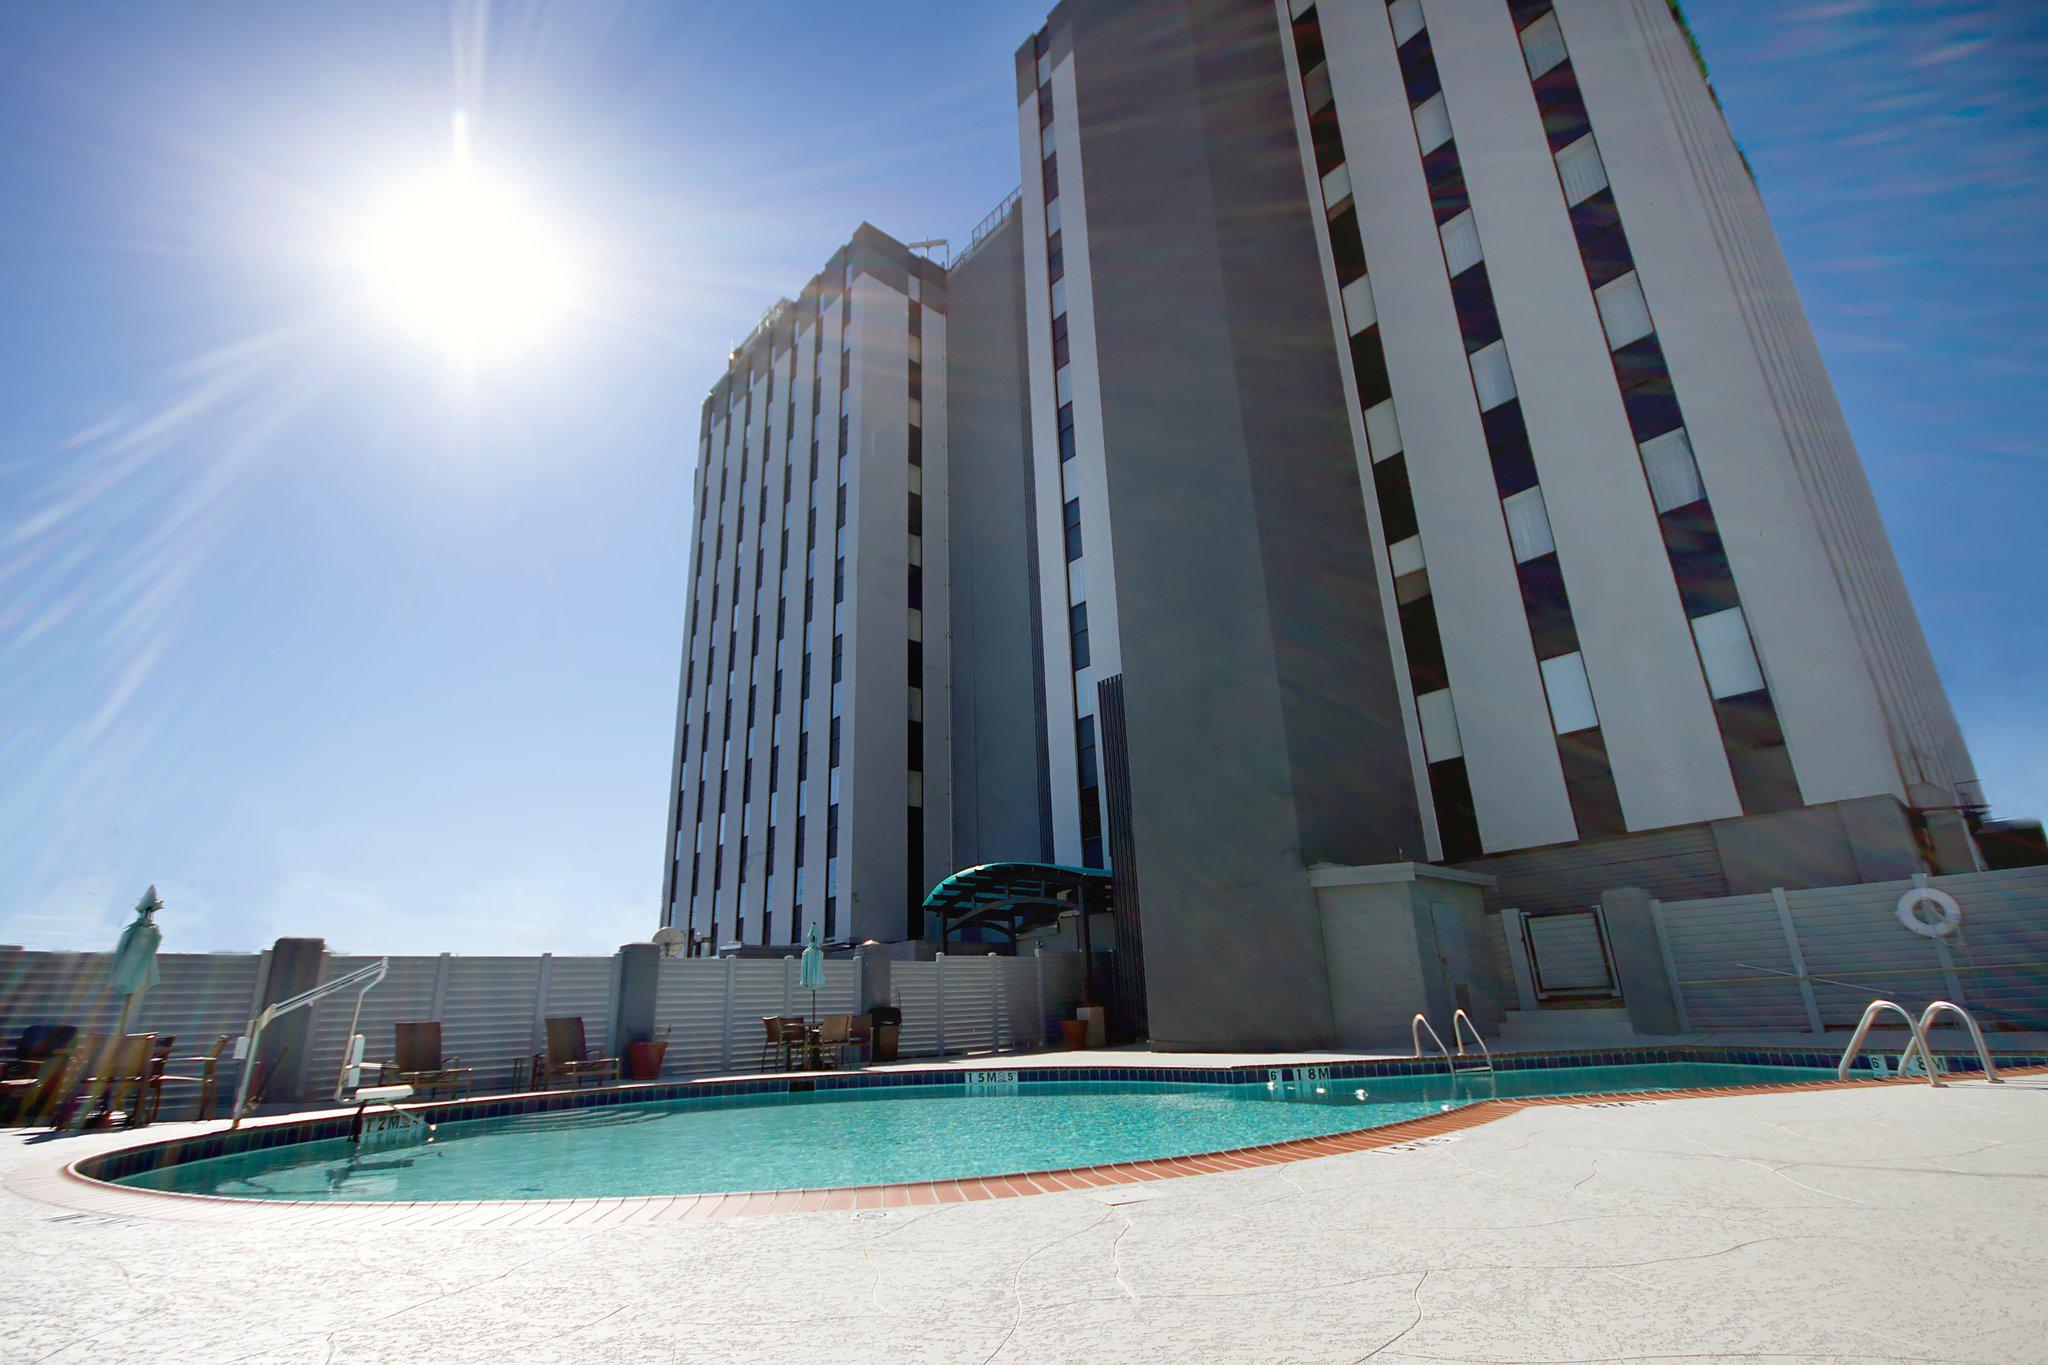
(460, 258)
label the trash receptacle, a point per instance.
(885, 1024)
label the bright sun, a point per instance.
(461, 259)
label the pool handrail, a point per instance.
(1416, 1029)
(1870, 1013)
(1927, 1056)
(1461, 1020)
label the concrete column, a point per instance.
(1639, 961)
(284, 1051)
(639, 981)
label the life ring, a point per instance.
(1951, 914)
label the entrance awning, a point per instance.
(1014, 898)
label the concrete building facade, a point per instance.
(1444, 472)
(1376, 471)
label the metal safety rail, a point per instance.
(1917, 1046)
(1927, 1056)
(1420, 1026)
(1461, 1024)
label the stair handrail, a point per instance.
(1927, 1056)
(1464, 1019)
(1870, 1013)
(1416, 1028)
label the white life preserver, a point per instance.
(1951, 914)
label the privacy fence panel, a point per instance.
(2001, 951)
(1746, 962)
(586, 987)
(1856, 949)
(1723, 952)
(690, 1012)
(914, 989)
(490, 1015)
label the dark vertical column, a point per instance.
(1128, 1016)
(639, 980)
(283, 1053)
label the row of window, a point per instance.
(706, 905)
(1754, 742)
(1083, 677)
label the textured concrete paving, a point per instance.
(1897, 1223)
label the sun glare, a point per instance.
(460, 258)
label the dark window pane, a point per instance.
(1550, 614)
(1456, 822)
(1424, 643)
(1397, 503)
(1369, 368)
(1347, 249)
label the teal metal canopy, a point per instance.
(1015, 897)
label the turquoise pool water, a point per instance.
(878, 1135)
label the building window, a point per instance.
(1491, 376)
(1580, 168)
(1439, 726)
(1571, 695)
(1073, 527)
(1528, 525)
(1359, 310)
(1336, 187)
(1406, 17)
(1406, 556)
(1461, 242)
(1674, 474)
(1382, 431)
(1543, 44)
(1432, 123)
(1727, 654)
(1623, 310)
(1077, 623)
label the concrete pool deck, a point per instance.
(1874, 1222)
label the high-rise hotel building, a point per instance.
(813, 779)
(1443, 469)
(1404, 424)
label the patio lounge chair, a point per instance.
(416, 1061)
(33, 1079)
(835, 1031)
(206, 1080)
(570, 1058)
(35, 1047)
(106, 1074)
(784, 1036)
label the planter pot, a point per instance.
(643, 1060)
(1074, 1033)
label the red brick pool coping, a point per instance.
(68, 1186)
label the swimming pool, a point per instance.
(945, 1127)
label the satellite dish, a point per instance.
(670, 940)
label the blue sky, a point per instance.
(322, 636)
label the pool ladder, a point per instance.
(1463, 1063)
(1918, 1046)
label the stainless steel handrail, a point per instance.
(1870, 1013)
(1927, 1056)
(1415, 1031)
(1462, 1018)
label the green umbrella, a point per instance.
(132, 972)
(811, 972)
(134, 968)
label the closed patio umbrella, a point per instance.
(811, 972)
(132, 972)
(134, 967)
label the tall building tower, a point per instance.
(1436, 464)
(816, 730)
(813, 753)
